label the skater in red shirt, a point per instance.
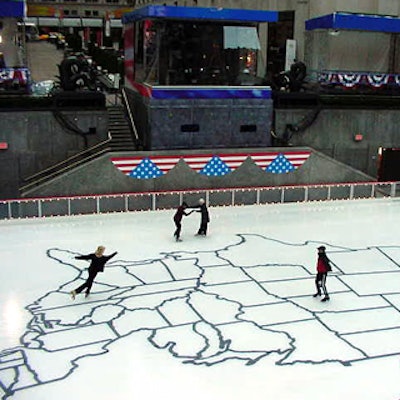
(323, 267)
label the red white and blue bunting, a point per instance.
(150, 167)
(11, 75)
(353, 79)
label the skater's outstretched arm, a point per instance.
(111, 255)
(84, 257)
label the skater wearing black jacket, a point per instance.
(205, 217)
(323, 267)
(180, 212)
(98, 261)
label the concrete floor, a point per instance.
(43, 59)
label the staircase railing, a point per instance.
(65, 165)
(79, 158)
(130, 115)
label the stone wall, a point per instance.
(334, 130)
(37, 140)
(101, 176)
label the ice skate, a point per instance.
(317, 294)
(326, 298)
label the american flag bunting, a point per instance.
(210, 164)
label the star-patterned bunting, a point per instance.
(280, 165)
(215, 167)
(146, 170)
(210, 165)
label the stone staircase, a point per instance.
(122, 138)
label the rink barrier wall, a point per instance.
(150, 201)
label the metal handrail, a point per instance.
(65, 165)
(130, 116)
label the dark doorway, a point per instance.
(389, 164)
(278, 33)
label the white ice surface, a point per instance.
(225, 317)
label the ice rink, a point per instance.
(225, 317)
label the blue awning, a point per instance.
(200, 13)
(360, 22)
(12, 8)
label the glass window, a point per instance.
(196, 53)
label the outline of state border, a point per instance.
(215, 300)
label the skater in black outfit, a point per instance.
(323, 267)
(180, 212)
(98, 261)
(205, 218)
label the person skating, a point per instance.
(323, 267)
(97, 263)
(205, 217)
(180, 212)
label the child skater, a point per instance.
(97, 263)
(323, 267)
(180, 212)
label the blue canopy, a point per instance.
(200, 13)
(12, 8)
(360, 22)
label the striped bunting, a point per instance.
(208, 164)
(280, 163)
(215, 165)
(145, 167)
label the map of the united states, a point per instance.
(211, 307)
